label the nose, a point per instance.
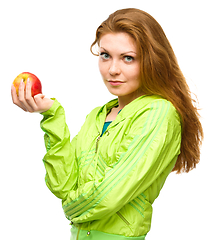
(114, 68)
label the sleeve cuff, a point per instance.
(51, 110)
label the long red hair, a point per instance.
(161, 75)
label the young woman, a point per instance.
(109, 175)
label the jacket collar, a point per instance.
(128, 111)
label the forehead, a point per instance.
(119, 42)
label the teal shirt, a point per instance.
(106, 125)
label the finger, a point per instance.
(13, 94)
(15, 98)
(21, 90)
(22, 98)
(29, 99)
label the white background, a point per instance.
(52, 39)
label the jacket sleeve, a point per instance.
(60, 160)
(140, 163)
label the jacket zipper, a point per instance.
(97, 143)
(123, 219)
(99, 137)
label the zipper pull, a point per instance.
(88, 232)
(97, 142)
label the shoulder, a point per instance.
(158, 105)
(155, 112)
(94, 112)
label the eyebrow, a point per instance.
(121, 53)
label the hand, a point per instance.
(25, 101)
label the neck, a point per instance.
(124, 100)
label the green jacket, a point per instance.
(108, 184)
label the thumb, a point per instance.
(39, 97)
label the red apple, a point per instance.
(36, 86)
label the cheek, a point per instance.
(101, 68)
(134, 73)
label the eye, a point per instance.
(128, 58)
(104, 55)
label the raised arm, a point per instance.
(60, 159)
(60, 177)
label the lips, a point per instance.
(115, 82)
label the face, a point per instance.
(119, 65)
